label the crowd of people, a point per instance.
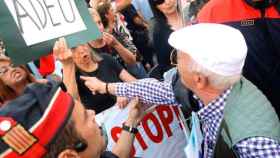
(219, 65)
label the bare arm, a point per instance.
(123, 147)
(149, 91)
(128, 56)
(126, 77)
(122, 4)
(140, 20)
(64, 54)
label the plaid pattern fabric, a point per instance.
(258, 147)
(211, 117)
(151, 91)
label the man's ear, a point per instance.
(200, 80)
(68, 153)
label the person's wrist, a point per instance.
(131, 122)
(107, 88)
(67, 62)
(115, 43)
(103, 88)
(131, 129)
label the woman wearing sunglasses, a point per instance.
(166, 19)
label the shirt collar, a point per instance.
(214, 109)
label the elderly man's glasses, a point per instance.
(173, 57)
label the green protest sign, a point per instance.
(29, 28)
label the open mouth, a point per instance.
(86, 58)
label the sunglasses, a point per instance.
(173, 57)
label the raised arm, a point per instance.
(124, 144)
(64, 55)
(128, 56)
(149, 91)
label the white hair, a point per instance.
(216, 80)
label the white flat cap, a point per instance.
(219, 48)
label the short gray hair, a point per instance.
(216, 80)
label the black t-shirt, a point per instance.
(108, 71)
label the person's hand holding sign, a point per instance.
(62, 52)
(64, 55)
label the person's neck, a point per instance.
(208, 95)
(174, 20)
(99, 43)
(90, 67)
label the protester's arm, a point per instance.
(140, 21)
(124, 144)
(128, 56)
(257, 147)
(126, 77)
(149, 91)
(64, 55)
(121, 4)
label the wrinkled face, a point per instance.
(183, 61)
(88, 129)
(168, 7)
(82, 55)
(12, 76)
(96, 18)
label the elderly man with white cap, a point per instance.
(237, 119)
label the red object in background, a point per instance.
(47, 65)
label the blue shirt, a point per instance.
(144, 8)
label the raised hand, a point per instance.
(109, 39)
(122, 102)
(136, 112)
(62, 52)
(94, 84)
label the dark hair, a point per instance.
(157, 13)
(87, 2)
(66, 139)
(103, 9)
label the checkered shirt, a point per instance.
(151, 91)
(211, 117)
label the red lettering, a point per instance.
(166, 117)
(115, 133)
(156, 138)
(141, 141)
